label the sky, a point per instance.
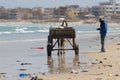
(48, 3)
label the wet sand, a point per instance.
(20, 56)
(101, 66)
(107, 69)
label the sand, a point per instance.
(106, 67)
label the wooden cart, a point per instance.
(58, 37)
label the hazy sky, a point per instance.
(48, 3)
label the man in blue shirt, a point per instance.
(103, 32)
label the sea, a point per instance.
(23, 49)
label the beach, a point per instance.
(23, 56)
(105, 66)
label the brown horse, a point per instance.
(61, 44)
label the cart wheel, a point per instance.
(49, 39)
(76, 49)
(49, 50)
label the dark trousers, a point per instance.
(103, 43)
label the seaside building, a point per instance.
(12, 14)
(23, 13)
(3, 13)
(107, 8)
(70, 12)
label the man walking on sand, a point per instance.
(103, 32)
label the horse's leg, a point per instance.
(58, 46)
(61, 46)
(62, 43)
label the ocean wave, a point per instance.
(18, 29)
(6, 32)
(23, 30)
(12, 29)
(42, 30)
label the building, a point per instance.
(12, 14)
(107, 8)
(68, 12)
(3, 13)
(71, 13)
(23, 13)
(60, 11)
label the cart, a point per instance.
(57, 39)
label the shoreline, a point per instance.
(30, 22)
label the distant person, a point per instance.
(103, 32)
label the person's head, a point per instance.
(64, 20)
(101, 20)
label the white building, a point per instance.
(107, 8)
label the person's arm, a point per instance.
(98, 29)
(100, 26)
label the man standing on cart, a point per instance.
(64, 23)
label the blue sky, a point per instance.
(48, 3)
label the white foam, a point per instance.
(19, 29)
(6, 32)
(42, 30)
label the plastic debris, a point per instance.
(84, 70)
(40, 48)
(96, 59)
(117, 75)
(101, 62)
(74, 71)
(109, 75)
(23, 69)
(26, 64)
(22, 75)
